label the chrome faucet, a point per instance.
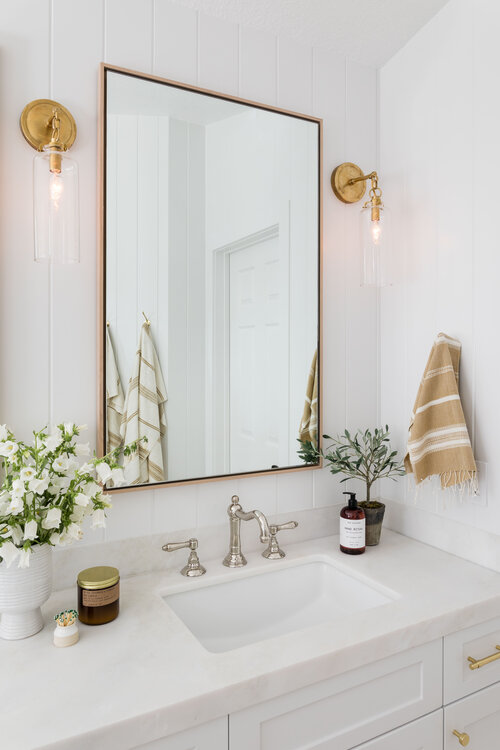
(234, 558)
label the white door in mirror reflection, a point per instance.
(258, 357)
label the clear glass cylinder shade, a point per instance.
(56, 208)
(375, 246)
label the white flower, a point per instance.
(4, 432)
(82, 499)
(15, 506)
(27, 473)
(55, 538)
(38, 485)
(8, 552)
(69, 428)
(60, 464)
(24, 559)
(18, 488)
(8, 448)
(74, 531)
(52, 519)
(78, 514)
(98, 519)
(82, 427)
(103, 471)
(31, 530)
(54, 440)
(91, 489)
(106, 499)
(82, 449)
(16, 533)
(118, 477)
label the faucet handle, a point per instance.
(193, 567)
(273, 551)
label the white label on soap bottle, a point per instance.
(352, 533)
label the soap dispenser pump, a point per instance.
(352, 527)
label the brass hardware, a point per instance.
(348, 182)
(193, 567)
(273, 552)
(463, 737)
(477, 663)
(148, 322)
(47, 123)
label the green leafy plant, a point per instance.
(366, 456)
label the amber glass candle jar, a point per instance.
(98, 595)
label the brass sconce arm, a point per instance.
(349, 182)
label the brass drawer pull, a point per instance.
(476, 663)
(463, 737)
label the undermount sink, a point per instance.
(253, 607)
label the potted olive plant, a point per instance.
(366, 456)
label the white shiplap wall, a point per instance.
(52, 48)
(439, 158)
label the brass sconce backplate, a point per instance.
(344, 189)
(36, 123)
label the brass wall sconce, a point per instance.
(50, 129)
(349, 185)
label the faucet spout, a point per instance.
(264, 526)
(235, 558)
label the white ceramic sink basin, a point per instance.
(251, 608)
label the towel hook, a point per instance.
(148, 322)
(107, 324)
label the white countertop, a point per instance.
(145, 675)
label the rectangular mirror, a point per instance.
(209, 309)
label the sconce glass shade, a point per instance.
(375, 246)
(56, 212)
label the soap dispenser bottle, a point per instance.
(352, 527)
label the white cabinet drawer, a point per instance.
(478, 716)
(210, 736)
(348, 709)
(478, 642)
(423, 734)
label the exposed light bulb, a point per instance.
(376, 231)
(56, 189)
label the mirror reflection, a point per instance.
(211, 281)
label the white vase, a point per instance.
(22, 592)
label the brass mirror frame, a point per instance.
(101, 272)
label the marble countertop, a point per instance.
(145, 675)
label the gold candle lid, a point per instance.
(99, 577)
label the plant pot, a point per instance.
(22, 592)
(374, 514)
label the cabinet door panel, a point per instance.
(349, 709)
(478, 716)
(422, 734)
(477, 641)
(210, 736)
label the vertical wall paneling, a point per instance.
(258, 79)
(329, 96)
(47, 58)
(294, 76)
(438, 143)
(175, 39)
(75, 60)
(129, 33)
(24, 285)
(217, 54)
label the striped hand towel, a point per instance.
(308, 429)
(144, 415)
(114, 398)
(438, 441)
